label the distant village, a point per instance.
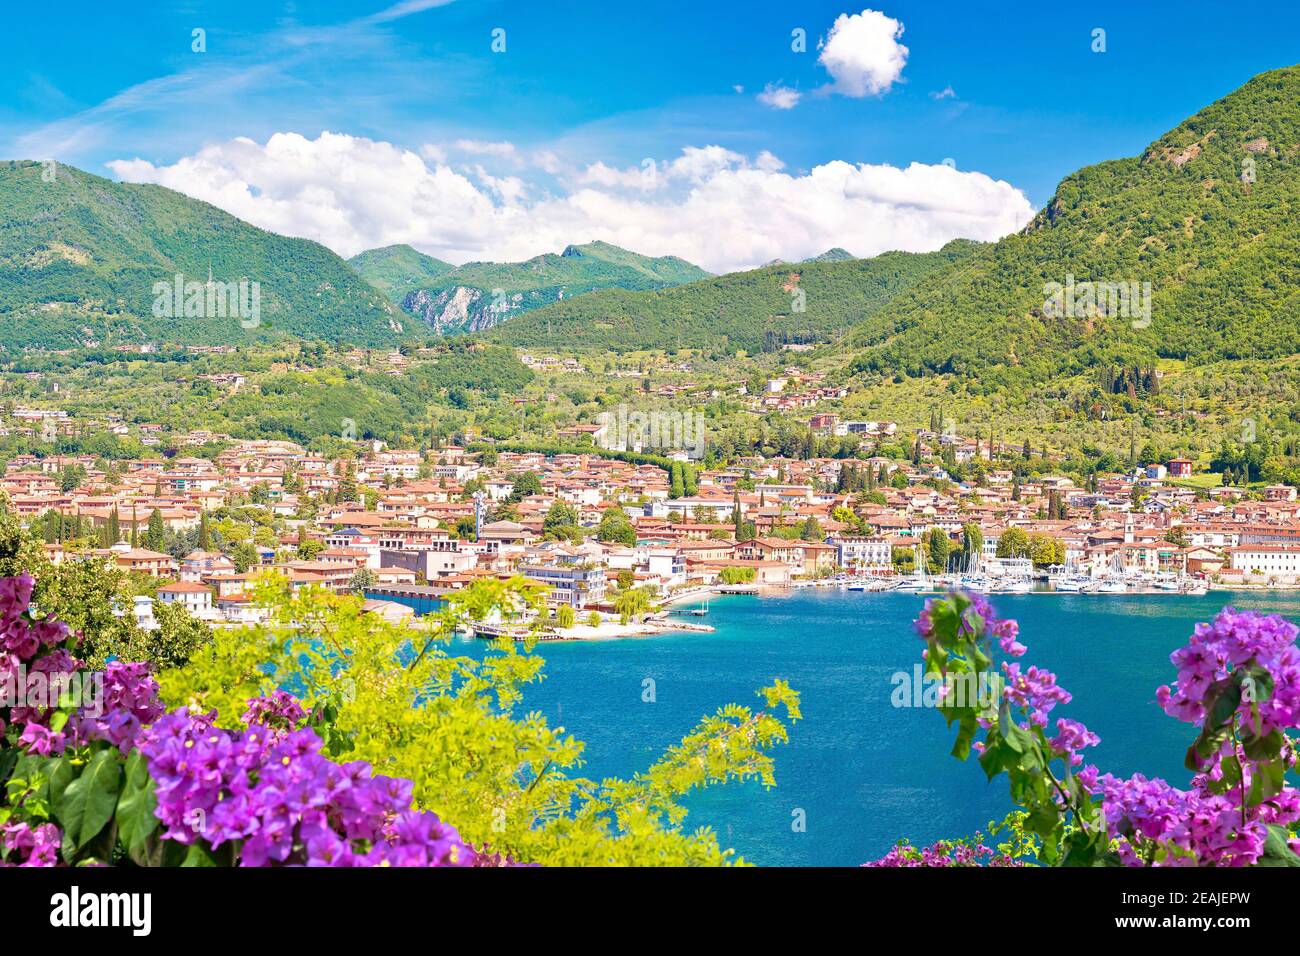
(404, 528)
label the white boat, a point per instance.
(873, 585)
(1015, 586)
(919, 580)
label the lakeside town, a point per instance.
(616, 542)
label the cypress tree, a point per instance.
(155, 538)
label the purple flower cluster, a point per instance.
(1034, 689)
(1071, 737)
(1152, 822)
(124, 697)
(21, 639)
(1005, 631)
(943, 853)
(278, 709)
(1234, 639)
(130, 702)
(266, 791)
(32, 846)
(1195, 827)
(1200, 826)
(272, 792)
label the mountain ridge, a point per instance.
(1203, 218)
(478, 295)
(753, 310)
(85, 259)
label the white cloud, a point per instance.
(862, 53)
(478, 147)
(646, 177)
(711, 205)
(509, 189)
(700, 164)
(944, 94)
(779, 97)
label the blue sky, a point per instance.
(1026, 102)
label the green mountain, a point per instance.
(761, 309)
(86, 259)
(1206, 216)
(832, 255)
(479, 295)
(395, 270)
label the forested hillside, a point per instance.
(763, 309)
(395, 270)
(80, 257)
(476, 296)
(1206, 215)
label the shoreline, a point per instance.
(608, 630)
(655, 626)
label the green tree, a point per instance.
(362, 579)
(523, 485)
(734, 574)
(347, 486)
(178, 637)
(939, 547)
(631, 603)
(205, 533)
(614, 527)
(245, 557)
(561, 522)
(155, 537)
(1013, 543)
(676, 481)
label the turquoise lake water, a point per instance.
(863, 772)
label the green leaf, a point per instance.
(88, 802)
(8, 759)
(1276, 851)
(136, 821)
(199, 855)
(59, 772)
(1225, 702)
(966, 734)
(1263, 748)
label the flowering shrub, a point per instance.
(270, 795)
(96, 781)
(1238, 681)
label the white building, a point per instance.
(866, 553)
(1265, 559)
(195, 598)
